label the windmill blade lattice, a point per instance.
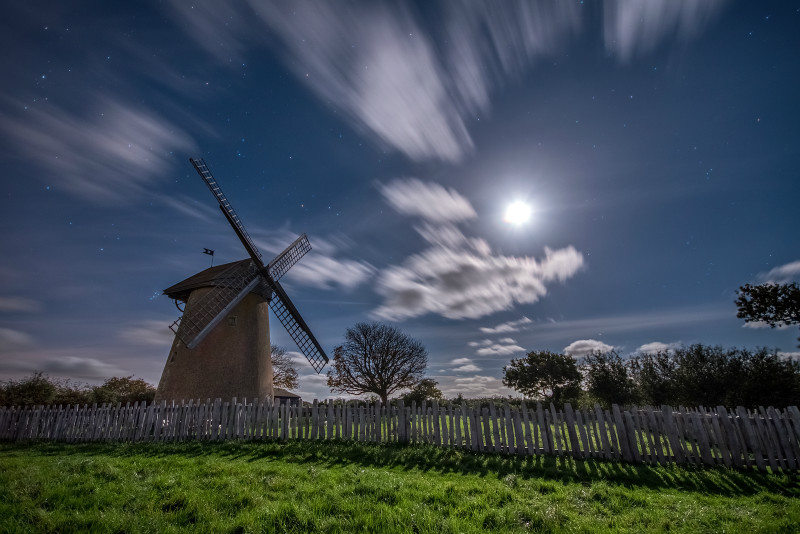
(231, 287)
(284, 261)
(290, 318)
(259, 278)
(202, 169)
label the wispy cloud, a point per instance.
(510, 326)
(109, 152)
(636, 27)
(14, 339)
(375, 64)
(657, 346)
(19, 304)
(323, 267)
(62, 365)
(629, 323)
(428, 200)
(782, 274)
(149, 333)
(464, 365)
(789, 355)
(499, 349)
(413, 87)
(584, 347)
(473, 386)
(759, 325)
(459, 277)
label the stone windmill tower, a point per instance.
(222, 343)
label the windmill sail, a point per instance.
(290, 318)
(230, 288)
(216, 304)
(284, 261)
(202, 169)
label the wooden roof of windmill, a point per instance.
(206, 278)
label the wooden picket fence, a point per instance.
(763, 438)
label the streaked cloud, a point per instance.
(416, 88)
(149, 333)
(500, 349)
(657, 346)
(14, 339)
(431, 201)
(789, 355)
(376, 65)
(460, 284)
(473, 386)
(584, 347)
(759, 325)
(413, 87)
(464, 365)
(457, 276)
(634, 28)
(19, 304)
(322, 268)
(109, 152)
(633, 322)
(782, 274)
(63, 365)
(510, 326)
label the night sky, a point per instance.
(656, 143)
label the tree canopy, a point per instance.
(376, 358)
(544, 375)
(425, 390)
(39, 388)
(772, 304)
(608, 380)
(284, 373)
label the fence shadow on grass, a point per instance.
(428, 458)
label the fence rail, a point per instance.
(762, 438)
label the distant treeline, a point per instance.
(40, 389)
(697, 375)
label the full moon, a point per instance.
(517, 213)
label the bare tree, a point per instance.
(284, 374)
(376, 358)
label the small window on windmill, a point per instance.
(232, 320)
(173, 356)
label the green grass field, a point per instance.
(342, 487)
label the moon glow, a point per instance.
(517, 213)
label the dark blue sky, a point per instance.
(656, 142)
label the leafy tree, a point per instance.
(284, 373)
(773, 304)
(123, 389)
(424, 390)
(702, 375)
(607, 379)
(654, 376)
(42, 389)
(763, 378)
(376, 358)
(544, 375)
(35, 389)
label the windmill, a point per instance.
(221, 346)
